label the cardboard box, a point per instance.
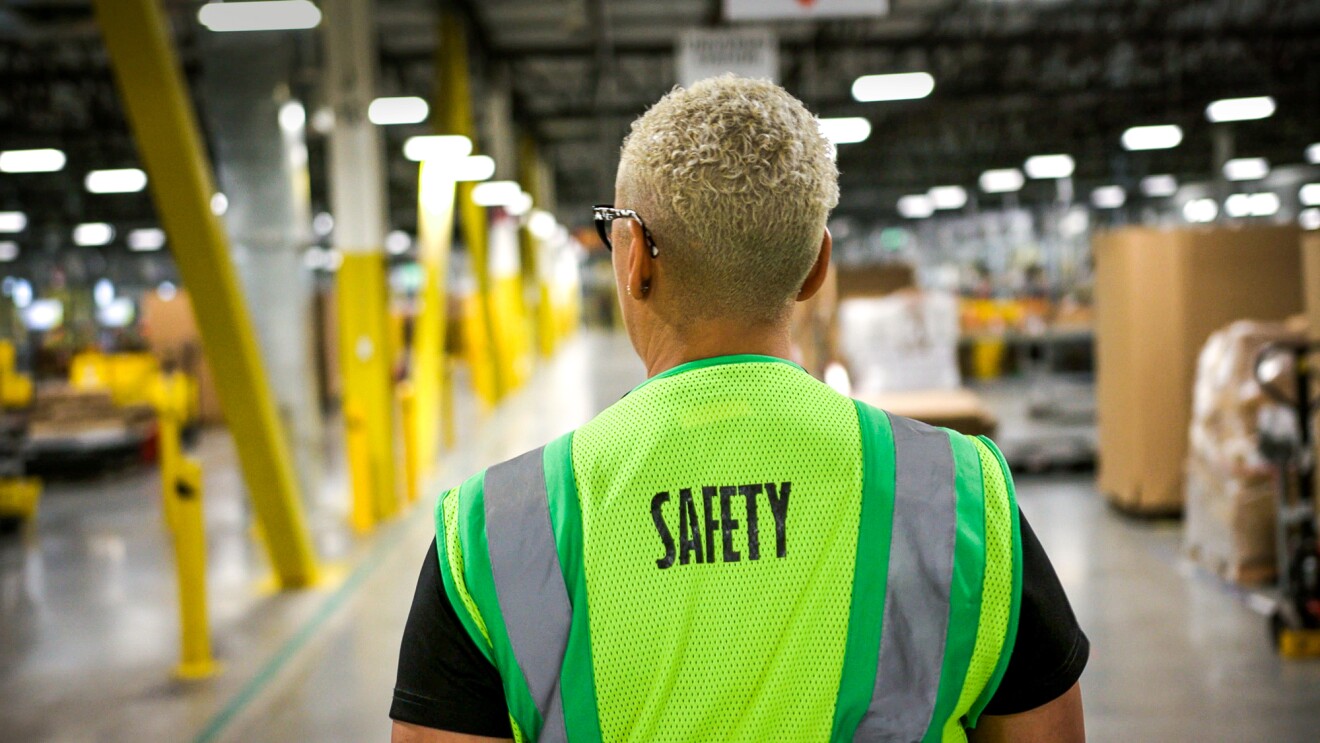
(876, 280)
(1159, 295)
(815, 327)
(959, 409)
(171, 331)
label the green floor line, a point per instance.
(253, 688)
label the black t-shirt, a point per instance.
(445, 682)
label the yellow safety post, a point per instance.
(165, 128)
(435, 229)
(358, 446)
(170, 398)
(190, 556)
(533, 271)
(455, 117)
(448, 434)
(408, 420)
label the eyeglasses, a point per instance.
(605, 214)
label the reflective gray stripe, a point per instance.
(917, 597)
(528, 582)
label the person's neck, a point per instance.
(670, 347)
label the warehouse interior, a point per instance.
(275, 275)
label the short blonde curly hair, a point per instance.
(735, 181)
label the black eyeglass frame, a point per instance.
(605, 214)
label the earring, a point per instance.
(646, 288)
(628, 288)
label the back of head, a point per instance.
(735, 182)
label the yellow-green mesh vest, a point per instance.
(736, 552)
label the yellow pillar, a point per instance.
(408, 422)
(357, 195)
(455, 117)
(162, 120)
(435, 229)
(532, 270)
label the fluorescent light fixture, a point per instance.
(264, 15)
(1161, 137)
(22, 293)
(401, 110)
(13, 221)
(117, 314)
(916, 206)
(1005, 180)
(1108, 197)
(119, 180)
(1238, 205)
(1310, 194)
(92, 234)
(845, 130)
(474, 168)
(219, 204)
(1309, 219)
(1049, 166)
(8, 251)
(103, 292)
(520, 205)
(1246, 169)
(1156, 186)
(292, 116)
(1265, 204)
(496, 193)
(397, 242)
(44, 160)
(323, 224)
(1240, 109)
(948, 197)
(1200, 211)
(904, 86)
(437, 147)
(1313, 154)
(146, 240)
(541, 224)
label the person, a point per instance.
(734, 551)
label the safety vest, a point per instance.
(734, 551)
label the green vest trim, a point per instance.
(870, 577)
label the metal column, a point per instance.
(261, 154)
(162, 120)
(357, 193)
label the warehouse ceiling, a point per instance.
(1014, 78)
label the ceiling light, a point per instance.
(120, 180)
(1200, 211)
(31, 161)
(13, 221)
(323, 224)
(1238, 205)
(1108, 197)
(1309, 219)
(496, 193)
(1313, 154)
(90, 234)
(541, 224)
(292, 116)
(1246, 169)
(948, 197)
(8, 251)
(437, 147)
(1004, 180)
(167, 291)
(103, 292)
(474, 168)
(397, 242)
(146, 240)
(1310, 195)
(1049, 166)
(1240, 109)
(262, 15)
(403, 110)
(904, 86)
(520, 205)
(1264, 204)
(916, 206)
(846, 130)
(219, 204)
(1156, 186)
(1161, 137)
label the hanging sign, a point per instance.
(744, 52)
(766, 10)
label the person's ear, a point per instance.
(816, 278)
(640, 262)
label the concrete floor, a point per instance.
(88, 630)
